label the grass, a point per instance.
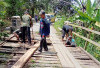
(33, 61)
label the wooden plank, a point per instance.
(95, 60)
(59, 55)
(95, 43)
(11, 45)
(64, 55)
(70, 56)
(21, 62)
(64, 60)
(75, 62)
(93, 31)
(1, 43)
(10, 37)
(84, 59)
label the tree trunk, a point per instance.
(32, 11)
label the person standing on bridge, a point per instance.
(44, 30)
(66, 30)
(26, 18)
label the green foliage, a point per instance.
(88, 7)
(3, 6)
(3, 34)
(18, 7)
(2, 27)
(15, 7)
(59, 23)
(72, 18)
(90, 16)
(33, 61)
(94, 51)
(2, 24)
(94, 4)
(80, 42)
(97, 18)
(84, 16)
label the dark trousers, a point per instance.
(36, 19)
(43, 43)
(26, 32)
(63, 33)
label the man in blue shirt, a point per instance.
(44, 30)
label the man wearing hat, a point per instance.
(44, 30)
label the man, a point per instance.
(18, 34)
(26, 18)
(44, 30)
(70, 42)
(66, 30)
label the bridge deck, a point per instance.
(58, 55)
(72, 57)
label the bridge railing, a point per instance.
(87, 39)
(87, 29)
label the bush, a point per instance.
(2, 25)
(59, 23)
(2, 29)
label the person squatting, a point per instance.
(67, 31)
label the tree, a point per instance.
(15, 7)
(90, 15)
(32, 6)
(3, 6)
(64, 6)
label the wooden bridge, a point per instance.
(58, 56)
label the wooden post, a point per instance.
(75, 31)
(86, 43)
